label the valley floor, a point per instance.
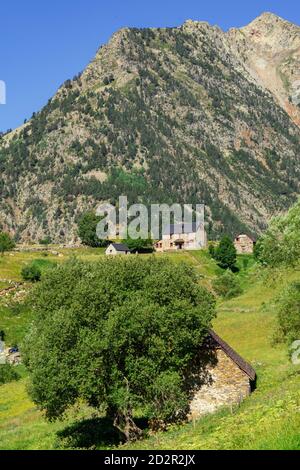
(268, 419)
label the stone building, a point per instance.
(226, 380)
(182, 237)
(117, 249)
(244, 244)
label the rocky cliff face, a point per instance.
(270, 49)
(188, 115)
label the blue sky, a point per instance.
(45, 42)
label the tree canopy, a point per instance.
(288, 313)
(280, 245)
(139, 245)
(6, 242)
(120, 334)
(87, 227)
(225, 253)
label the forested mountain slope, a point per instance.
(160, 115)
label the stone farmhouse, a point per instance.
(117, 249)
(182, 237)
(226, 380)
(244, 244)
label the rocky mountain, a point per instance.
(189, 114)
(270, 49)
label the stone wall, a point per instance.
(228, 385)
(244, 245)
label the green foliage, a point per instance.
(288, 309)
(227, 285)
(87, 230)
(120, 334)
(211, 249)
(225, 253)
(7, 374)
(280, 245)
(6, 242)
(139, 245)
(31, 273)
(34, 270)
(45, 241)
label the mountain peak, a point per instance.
(269, 16)
(269, 21)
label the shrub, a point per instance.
(7, 374)
(31, 273)
(227, 285)
(6, 243)
(280, 245)
(139, 245)
(225, 253)
(45, 241)
(34, 270)
(288, 313)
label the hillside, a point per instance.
(268, 419)
(163, 115)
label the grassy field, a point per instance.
(268, 419)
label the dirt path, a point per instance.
(13, 287)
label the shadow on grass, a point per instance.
(94, 433)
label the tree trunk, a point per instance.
(125, 424)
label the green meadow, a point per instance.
(268, 419)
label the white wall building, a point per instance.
(183, 237)
(117, 249)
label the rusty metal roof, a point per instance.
(243, 365)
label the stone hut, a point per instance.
(228, 379)
(244, 244)
(175, 237)
(117, 249)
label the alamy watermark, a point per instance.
(139, 221)
(2, 353)
(2, 92)
(296, 354)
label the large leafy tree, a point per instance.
(225, 253)
(87, 230)
(6, 242)
(119, 334)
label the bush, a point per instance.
(288, 312)
(6, 242)
(7, 374)
(139, 245)
(45, 241)
(280, 245)
(211, 249)
(225, 253)
(31, 273)
(227, 285)
(34, 271)
(120, 334)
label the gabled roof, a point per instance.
(246, 235)
(120, 246)
(240, 362)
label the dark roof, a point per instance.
(247, 235)
(181, 228)
(245, 366)
(120, 246)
